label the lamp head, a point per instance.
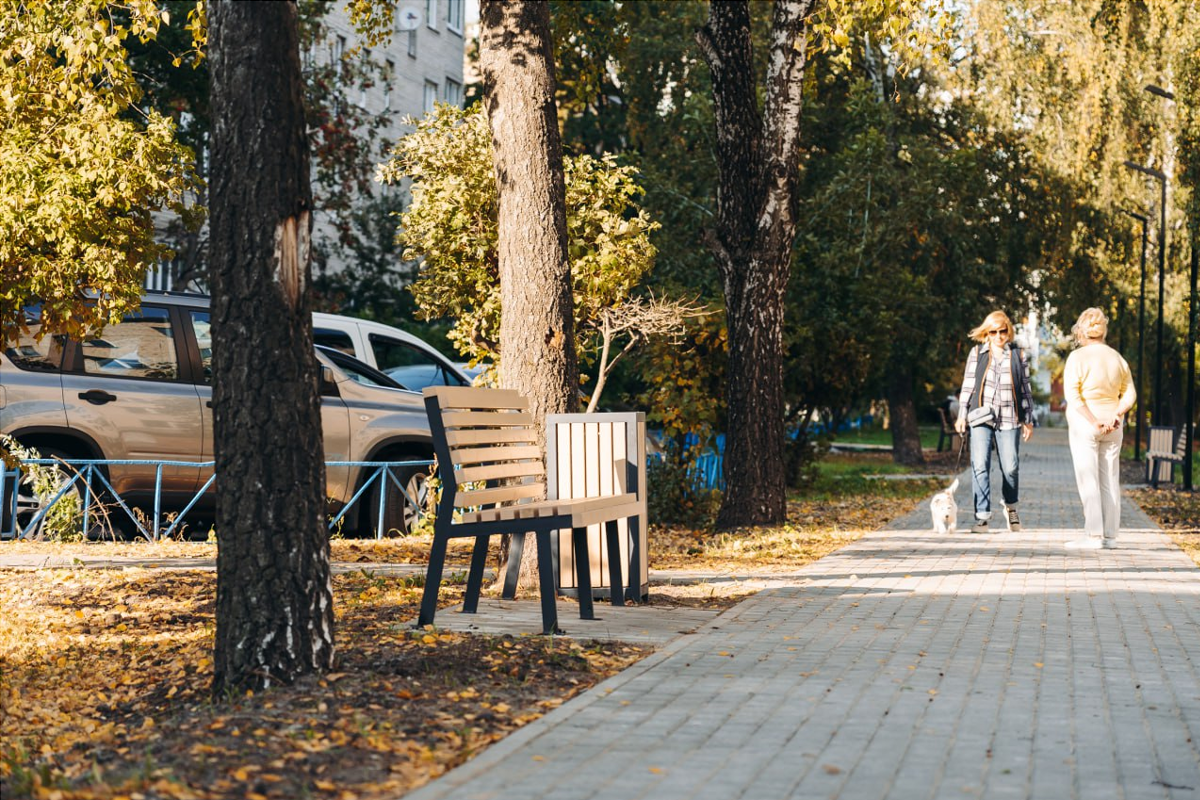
(1158, 90)
(1153, 173)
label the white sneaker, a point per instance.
(1090, 543)
(1110, 543)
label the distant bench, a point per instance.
(947, 434)
(1167, 447)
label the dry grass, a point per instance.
(1177, 512)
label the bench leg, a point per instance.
(433, 580)
(583, 572)
(516, 549)
(633, 592)
(546, 583)
(475, 576)
(612, 537)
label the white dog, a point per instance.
(945, 510)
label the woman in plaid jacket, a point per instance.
(996, 378)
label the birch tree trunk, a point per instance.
(537, 351)
(758, 158)
(274, 598)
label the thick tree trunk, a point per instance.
(758, 158)
(537, 340)
(274, 598)
(902, 412)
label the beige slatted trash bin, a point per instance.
(598, 455)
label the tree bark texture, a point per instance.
(537, 350)
(902, 414)
(758, 157)
(274, 597)
(537, 341)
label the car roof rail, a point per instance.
(173, 293)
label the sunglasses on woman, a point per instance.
(998, 332)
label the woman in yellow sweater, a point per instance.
(1099, 392)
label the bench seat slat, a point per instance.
(584, 511)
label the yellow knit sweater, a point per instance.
(1097, 375)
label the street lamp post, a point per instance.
(1191, 369)
(1141, 358)
(1189, 413)
(1162, 270)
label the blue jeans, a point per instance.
(1008, 446)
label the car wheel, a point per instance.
(30, 502)
(400, 516)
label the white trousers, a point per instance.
(1097, 460)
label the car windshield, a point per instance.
(358, 371)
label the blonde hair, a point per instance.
(1092, 324)
(990, 322)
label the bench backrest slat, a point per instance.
(473, 437)
(487, 455)
(500, 494)
(493, 472)
(485, 436)
(482, 419)
(470, 397)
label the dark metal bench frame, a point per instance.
(521, 516)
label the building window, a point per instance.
(389, 77)
(362, 87)
(412, 43)
(453, 92)
(454, 16)
(431, 13)
(430, 96)
(337, 58)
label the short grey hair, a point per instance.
(1092, 324)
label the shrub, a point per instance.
(675, 496)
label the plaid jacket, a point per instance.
(1012, 407)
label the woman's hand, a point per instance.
(1026, 431)
(960, 425)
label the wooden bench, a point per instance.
(947, 433)
(1166, 448)
(494, 475)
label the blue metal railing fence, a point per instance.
(89, 473)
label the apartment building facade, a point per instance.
(420, 65)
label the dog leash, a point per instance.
(962, 445)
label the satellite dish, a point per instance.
(408, 18)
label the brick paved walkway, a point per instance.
(905, 666)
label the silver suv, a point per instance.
(141, 392)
